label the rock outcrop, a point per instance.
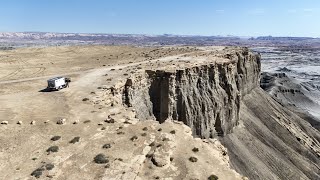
(205, 97)
(220, 97)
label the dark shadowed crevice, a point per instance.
(159, 95)
(217, 126)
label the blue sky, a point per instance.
(188, 17)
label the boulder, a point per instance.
(61, 121)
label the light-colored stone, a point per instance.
(19, 122)
(33, 122)
(61, 121)
(4, 122)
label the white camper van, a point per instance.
(58, 83)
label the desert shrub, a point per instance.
(144, 134)
(49, 166)
(101, 159)
(38, 172)
(55, 138)
(120, 132)
(125, 74)
(193, 159)
(133, 138)
(107, 166)
(195, 149)
(173, 132)
(86, 121)
(109, 120)
(213, 177)
(171, 159)
(85, 99)
(53, 149)
(145, 129)
(103, 128)
(224, 153)
(152, 144)
(75, 140)
(106, 146)
(112, 69)
(159, 145)
(165, 139)
(127, 122)
(159, 129)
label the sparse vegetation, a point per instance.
(224, 153)
(38, 172)
(213, 177)
(55, 138)
(133, 138)
(193, 159)
(53, 149)
(159, 145)
(195, 149)
(49, 166)
(101, 159)
(86, 121)
(106, 146)
(111, 120)
(75, 140)
(165, 139)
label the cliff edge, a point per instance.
(219, 97)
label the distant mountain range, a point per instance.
(49, 38)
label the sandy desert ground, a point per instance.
(96, 121)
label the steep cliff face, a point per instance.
(205, 97)
(220, 97)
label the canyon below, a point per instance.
(160, 112)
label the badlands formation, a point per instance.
(147, 113)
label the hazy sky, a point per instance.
(189, 17)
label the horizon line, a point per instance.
(164, 34)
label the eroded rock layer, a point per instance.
(220, 97)
(205, 97)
